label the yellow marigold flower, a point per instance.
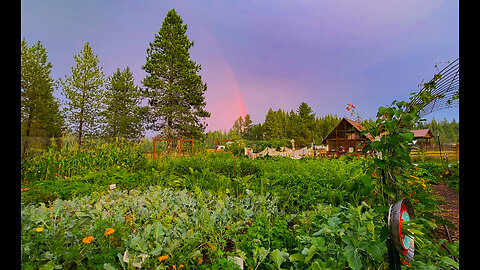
(87, 240)
(161, 258)
(39, 229)
(181, 266)
(109, 231)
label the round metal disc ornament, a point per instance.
(398, 213)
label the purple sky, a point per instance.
(257, 55)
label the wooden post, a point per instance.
(153, 154)
(61, 145)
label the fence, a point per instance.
(444, 151)
(173, 146)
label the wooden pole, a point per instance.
(61, 145)
(153, 157)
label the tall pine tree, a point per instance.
(176, 91)
(123, 114)
(83, 92)
(40, 115)
(306, 125)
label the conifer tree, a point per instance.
(175, 90)
(83, 92)
(123, 114)
(273, 129)
(40, 115)
(306, 125)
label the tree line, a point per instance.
(301, 125)
(447, 132)
(306, 128)
(171, 101)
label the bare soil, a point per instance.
(448, 210)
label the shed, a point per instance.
(347, 137)
(422, 137)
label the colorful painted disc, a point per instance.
(405, 238)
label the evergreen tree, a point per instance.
(40, 114)
(257, 132)
(176, 91)
(238, 125)
(291, 125)
(247, 124)
(272, 125)
(123, 114)
(326, 124)
(83, 92)
(305, 126)
(242, 126)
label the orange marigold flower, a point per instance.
(87, 240)
(39, 229)
(161, 258)
(212, 247)
(109, 231)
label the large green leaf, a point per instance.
(319, 242)
(296, 257)
(313, 249)
(278, 257)
(353, 257)
(377, 249)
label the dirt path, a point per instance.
(449, 210)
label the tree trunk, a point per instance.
(27, 134)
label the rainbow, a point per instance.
(233, 84)
(238, 108)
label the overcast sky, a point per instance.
(257, 55)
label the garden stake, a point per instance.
(393, 256)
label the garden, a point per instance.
(206, 211)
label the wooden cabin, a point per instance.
(346, 138)
(422, 138)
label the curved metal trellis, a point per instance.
(445, 93)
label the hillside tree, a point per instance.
(175, 89)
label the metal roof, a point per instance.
(422, 133)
